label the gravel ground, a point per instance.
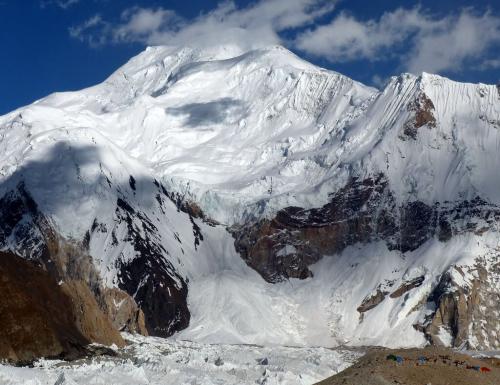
(440, 367)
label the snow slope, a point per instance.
(249, 134)
(230, 132)
(231, 303)
(453, 159)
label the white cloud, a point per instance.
(256, 25)
(419, 40)
(458, 40)
(378, 81)
(140, 23)
(345, 38)
(414, 38)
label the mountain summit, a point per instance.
(253, 197)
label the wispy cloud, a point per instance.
(90, 31)
(256, 25)
(63, 4)
(378, 81)
(419, 40)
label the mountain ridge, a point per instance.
(261, 199)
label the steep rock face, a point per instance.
(124, 312)
(285, 246)
(361, 212)
(150, 297)
(149, 278)
(158, 295)
(466, 301)
(25, 230)
(37, 316)
(422, 110)
(371, 301)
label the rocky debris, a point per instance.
(422, 109)
(97, 350)
(436, 366)
(219, 362)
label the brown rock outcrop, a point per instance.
(468, 312)
(82, 313)
(422, 108)
(89, 318)
(37, 316)
(371, 301)
(124, 312)
(407, 286)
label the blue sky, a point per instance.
(59, 45)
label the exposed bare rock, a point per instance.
(365, 211)
(37, 316)
(422, 108)
(62, 262)
(186, 204)
(493, 122)
(407, 286)
(362, 211)
(371, 301)
(89, 317)
(159, 291)
(157, 295)
(124, 312)
(350, 217)
(467, 311)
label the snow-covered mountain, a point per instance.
(256, 198)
